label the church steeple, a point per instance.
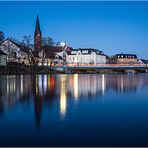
(37, 36)
(37, 28)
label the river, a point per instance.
(74, 110)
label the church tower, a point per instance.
(37, 36)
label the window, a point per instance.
(79, 52)
(84, 51)
(73, 52)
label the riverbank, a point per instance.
(23, 69)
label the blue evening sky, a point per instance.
(114, 27)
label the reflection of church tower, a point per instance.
(37, 36)
(38, 110)
(37, 101)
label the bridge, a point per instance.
(125, 67)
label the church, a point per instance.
(45, 55)
(37, 36)
(59, 54)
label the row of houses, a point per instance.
(11, 52)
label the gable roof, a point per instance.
(126, 55)
(51, 51)
(144, 61)
(85, 51)
(2, 53)
(23, 48)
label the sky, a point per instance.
(112, 27)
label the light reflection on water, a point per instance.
(60, 92)
(14, 88)
(63, 96)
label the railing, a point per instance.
(100, 65)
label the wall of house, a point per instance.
(44, 62)
(101, 59)
(14, 52)
(86, 59)
(126, 60)
(3, 60)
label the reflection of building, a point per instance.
(48, 91)
(43, 91)
(85, 85)
(125, 83)
(103, 84)
(86, 56)
(38, 109)
(14, 88)
(76, 86)
(63, 96)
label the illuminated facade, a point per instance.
(124, 59)
(85, 56)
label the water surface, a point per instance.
(74, 110)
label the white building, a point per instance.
(85, 56)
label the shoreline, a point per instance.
(24, 70)
(58, 72)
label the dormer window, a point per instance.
(85, 51)
(79, 52)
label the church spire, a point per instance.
(37, 36)
(37, 28)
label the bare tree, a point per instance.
(27, 40)
(47, 41)
(14, 40)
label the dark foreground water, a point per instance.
(74, 110)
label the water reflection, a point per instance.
(46, 89)
(103, 84)
(75, 86)
(63, 96)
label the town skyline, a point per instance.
(82, 29)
